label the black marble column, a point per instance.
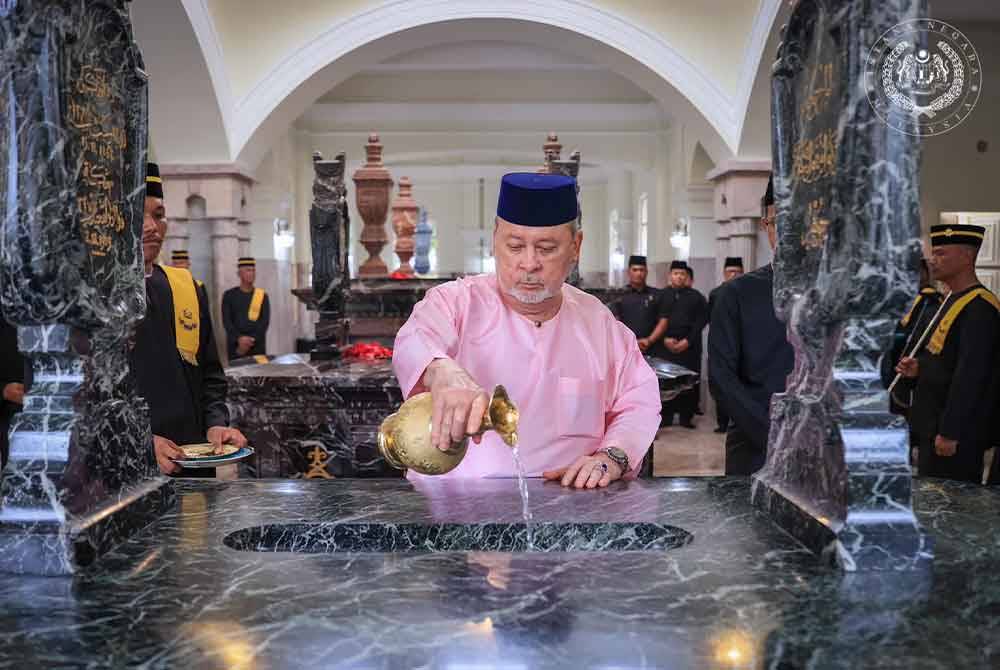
(848, 204)
(73, 129)
(329, 228)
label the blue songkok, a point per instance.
(530, 199)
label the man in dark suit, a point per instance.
(749, 357)
(731, 269)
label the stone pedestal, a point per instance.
(373, 184)
(73, 126)
(404, 223)
(837, 475)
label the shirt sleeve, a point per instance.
(665, 303)
(974, 369)
(699, 321)
(431, 332)
(725, 345)
(227, 321)
(214, 386)
(634, 413)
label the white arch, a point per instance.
(348, 45)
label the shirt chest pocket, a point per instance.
(580, 407)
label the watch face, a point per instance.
(616, 452)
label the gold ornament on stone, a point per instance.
(404, 438)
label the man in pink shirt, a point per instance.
(589, 403)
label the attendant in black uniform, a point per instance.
(12, 381)
(749, 357)
(956, 370)
(731, 269)
(638, 309)
(181, 379)
(246, 314)
(683, 315)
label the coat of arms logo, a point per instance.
(923, 77)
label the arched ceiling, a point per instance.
(265, 63)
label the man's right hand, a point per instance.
(459, 402)
(643, 343)
(14, 393)
(165, 450)
(908, 367)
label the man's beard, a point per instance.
(529, 297)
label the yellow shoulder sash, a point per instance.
(944, 325)
(187, 315)
(256, 302)
(905, 321)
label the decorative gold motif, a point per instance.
(317, 464)
(404, 438)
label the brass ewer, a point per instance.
(404, 438)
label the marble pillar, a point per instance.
(738, 187)
(847, 191)
(225, 255)
(73, 130)
(243, 238)
(178, 237)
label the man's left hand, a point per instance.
(220, 435)
(587, 472)
(945, 447)
(676, 346)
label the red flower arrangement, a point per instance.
(368, 351)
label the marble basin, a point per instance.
(322, 538)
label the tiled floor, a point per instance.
(682, 452)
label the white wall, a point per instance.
(954, 176)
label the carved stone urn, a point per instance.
(373, 183)
(404, 223)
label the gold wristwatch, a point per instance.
(618, 456)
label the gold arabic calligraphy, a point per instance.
(102, 150)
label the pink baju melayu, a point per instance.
(578, 380)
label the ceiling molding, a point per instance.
(650, 51)
(738, 165)
(211, 49)
(444, 116)
(753, 53)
